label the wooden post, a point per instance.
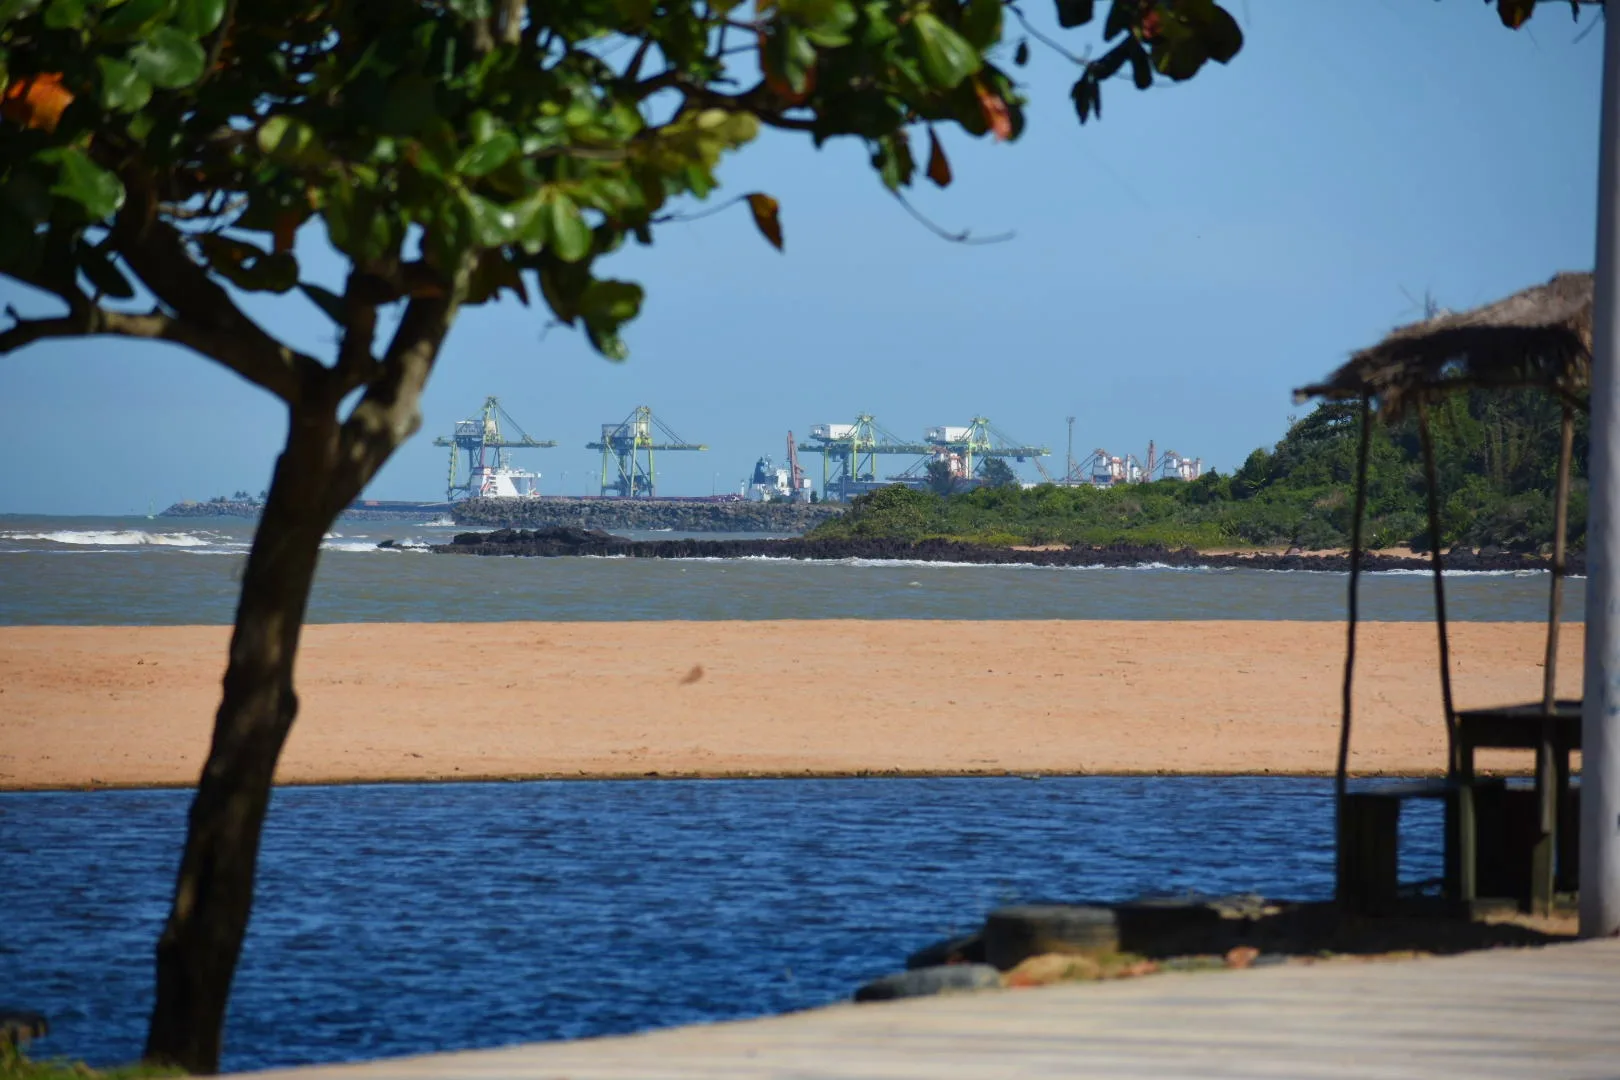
(1342, 772)
(1432, 484)
(1600, 719)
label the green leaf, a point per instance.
(1071, 13)
(133, 17)
(169, 58)
(981, 23)
(103, 274)
(285, 138)
(325, 299)
(825, 22)
(492, 223)
(17, 9)
(790, 54)
(566, 232)
(199, 17)
(64, 14)
(82, 181)
(487, 156)
(606, 306)
(122, 88)
(946, 57)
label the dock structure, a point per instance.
(1541, 1013)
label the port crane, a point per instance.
(849, 454)
(628, 467)
(486, 447)
(962, 445)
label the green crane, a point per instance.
(628, 448)
(486, 448)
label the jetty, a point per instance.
(1533, 1013)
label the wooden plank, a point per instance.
(1538, 1013)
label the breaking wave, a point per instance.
(115, 538)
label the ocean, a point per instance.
(169, 571)
(403, 919)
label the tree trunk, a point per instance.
(324, 467)
(197, 954)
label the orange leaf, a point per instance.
(765, 210)
(939, 169)
(996, 114)
(37, 101)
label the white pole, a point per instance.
(1600, 720)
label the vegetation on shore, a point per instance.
(1496, 457)
(15, 1065)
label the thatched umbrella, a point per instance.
(1538, 338)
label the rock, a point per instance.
(963, 949)
(17, 1027)
(923, 982)
(1013, 934)
(389, 543)
(1048, 968)
(1164, 927)
(1242, 956)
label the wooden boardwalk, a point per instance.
(1542, 1013)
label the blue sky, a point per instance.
(1175, 271)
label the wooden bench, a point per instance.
(1369, 840)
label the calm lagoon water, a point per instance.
(134, 571)
(403, 919)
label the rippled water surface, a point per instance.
(407, 918)
(185, 570)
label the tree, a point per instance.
(996, 473)
(941, 479)
(160, 158)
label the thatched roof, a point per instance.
(1541, 337)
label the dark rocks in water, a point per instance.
(933, 980)
(964, 949)
(388, 543)
(572, 540)
(1014, 934)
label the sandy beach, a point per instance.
(122, 706)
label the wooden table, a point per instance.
(1552, 735)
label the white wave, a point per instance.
(352, 545)
(116, 538)
(437, 523)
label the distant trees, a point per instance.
(995, 472)
(1496, 456)
(941, 477)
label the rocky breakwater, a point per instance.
(680, 515)
(568, 540)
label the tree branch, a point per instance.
(156, 252)
(94, 321)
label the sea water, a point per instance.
(139, 571)
(402, 919)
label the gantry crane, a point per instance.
(486, 448)
(849, 452)
(627, 447)
(962, 445)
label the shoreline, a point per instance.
(132, 707)
(714, 776)
(569, 541)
